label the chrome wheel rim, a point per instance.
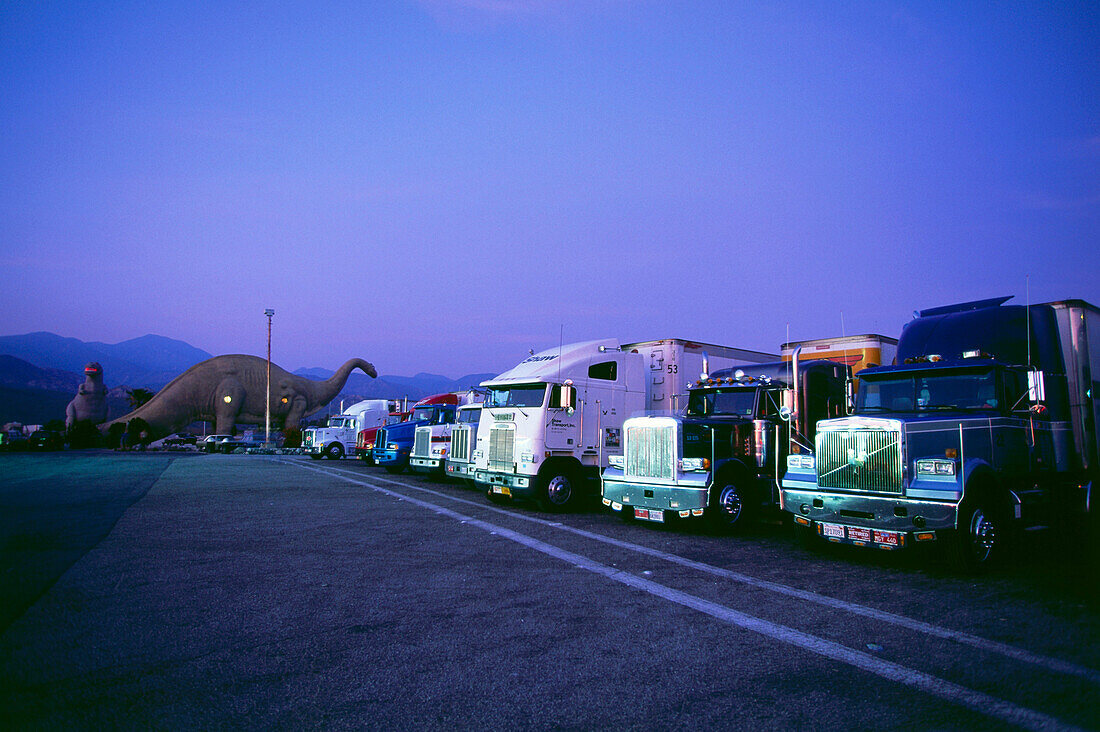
(983, 535)
(729, 502)
(558, 490)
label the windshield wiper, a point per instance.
(956, 408)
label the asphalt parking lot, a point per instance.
(205, 591)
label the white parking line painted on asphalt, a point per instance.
(949, 691)
(1018, 654)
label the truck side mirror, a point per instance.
(850, 395)
(1036, 387)
(565, 397)
(785, 413)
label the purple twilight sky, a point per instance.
(440, 185)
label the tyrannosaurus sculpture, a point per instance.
(228, 390)
(90, 401)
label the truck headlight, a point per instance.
(616, 461)
(391, 446)
(690, 464)
(931, 466)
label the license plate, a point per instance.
(649, 515)
(502, 490)
(857, 534)
(832, 530)
(889, 538)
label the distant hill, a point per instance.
(150, 361)
(19, 374)
(32, 406)
(396, 387)
(40, 373)
(34, 395)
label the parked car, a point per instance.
(12, 440)
(210, 442)
(179, 439)
(46, 440)
(230, 444)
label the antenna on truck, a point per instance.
(561, 345)
(844, 338)
(1027, 315)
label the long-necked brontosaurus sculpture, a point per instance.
(228, 390)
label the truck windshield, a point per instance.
(469, 416)
(735, 402)
(966, 390)
(527, 395)
(336, 422)
(423, 414)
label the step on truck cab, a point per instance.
(394, 444)
(549, 425)
(432, 442)
(364, 441)
(459, 464)
(337, 438)
(722, 459)
(986, 424)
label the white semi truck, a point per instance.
(549, 424)
(337, 438)
(459, 463)
(431, 442)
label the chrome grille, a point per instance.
(460, 443)
(422, 442)
(859, 459)
(651, 451)
(307, 438)
(380, 439)
(502, 446)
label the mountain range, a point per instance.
(40, 373)
(150, 361)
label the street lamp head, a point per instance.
(269, 312)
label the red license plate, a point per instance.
(857, 534)
(890, 538)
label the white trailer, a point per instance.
(337, 438)
(549, 424)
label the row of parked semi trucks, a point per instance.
(977, 422)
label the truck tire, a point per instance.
(729, 504)
(557, 490)
(981, 539)
(335, 451)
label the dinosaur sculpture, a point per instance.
(228, 390)
(90, 402)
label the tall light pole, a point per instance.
(267, 414)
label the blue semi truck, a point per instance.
(393, 444)
(985, 424)
(722, 457)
